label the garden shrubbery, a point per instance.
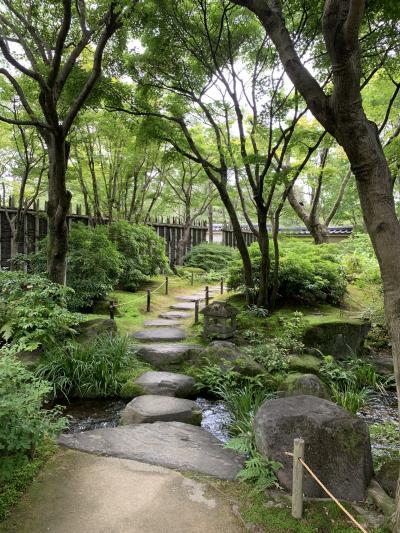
(308, 273)
(33, 311)
(210, 257)
(23, 423)
(90, 369)
(142, 251)
(103, 257)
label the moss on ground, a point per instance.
(12, 490)
(255, 510)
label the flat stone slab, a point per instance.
(171, 444)
(184, 306)
(166, 384)
(174, 315)
(193, 298)
(160, 334)
(165, 354)
(160, 322)
(154, 408)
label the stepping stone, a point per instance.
(160, 322)
(170, 444)
(163, 355)
(166, 384)
(188, 306)
(174, 315)
(160, 334)
(151, 408)
(193, 298)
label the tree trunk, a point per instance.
(210, 223)
(263, 242)
(59, 200)
(240, 243)
(183, 242)
(319, 233)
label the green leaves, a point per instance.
(33, 310)
(23, 422)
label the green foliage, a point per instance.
(90, 369)
(359, 261)
(143, 253)
(22, 476)
(94, 264)
(270, 356)
(349, 397)
(210, 257)
(33, 310)
(23, 423)
(242, 404)
(353, 372)
(307, 273)
(385, 438)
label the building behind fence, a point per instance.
(34, 224)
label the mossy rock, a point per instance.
(308, 364)
(339, 339)
(229, 357)
(388, 474)
(90, 329)
(130, 390)
(297, 384)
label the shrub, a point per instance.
(216, 257)
(91, 369)
(143, 253)
(23, 423)
(350, 397)
(94, 264)
(307, 272)
(33, 310)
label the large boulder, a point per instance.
(340, 339)
(153, 408)
(307, 364)
(229, 357)
(337, 445)
(166, 384)
(89, 329)
(303, 384)
(388, 474)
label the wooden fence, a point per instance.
(35, 228)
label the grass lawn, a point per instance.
(132, 305)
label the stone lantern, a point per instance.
(219, 320)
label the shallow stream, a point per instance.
(93, 414)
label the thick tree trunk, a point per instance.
(59, 200)
(319, 233)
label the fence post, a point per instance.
(166, 285)
(297, 486)
(207, 296)
(111, 309)
(222, 285)
(148, 301)
(192, 279)
(196, 312)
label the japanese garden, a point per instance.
(199, 266)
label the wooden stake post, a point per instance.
(297, 487)
(222, 285)
(166, 285)
(207, 298)
(196, 312)
(148, 301)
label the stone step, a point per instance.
(193, 298)
(165, 355)
(186, 306)
(160, 322)
(175, 315)
(166, 384)
(170, 444)
(160, 334)
(154, 408)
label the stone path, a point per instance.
(82, 493)
(171, 444)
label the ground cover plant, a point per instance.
(33, 311)
(24, 424)
(88, 369)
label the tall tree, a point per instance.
(341, 113)
(62, 44)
